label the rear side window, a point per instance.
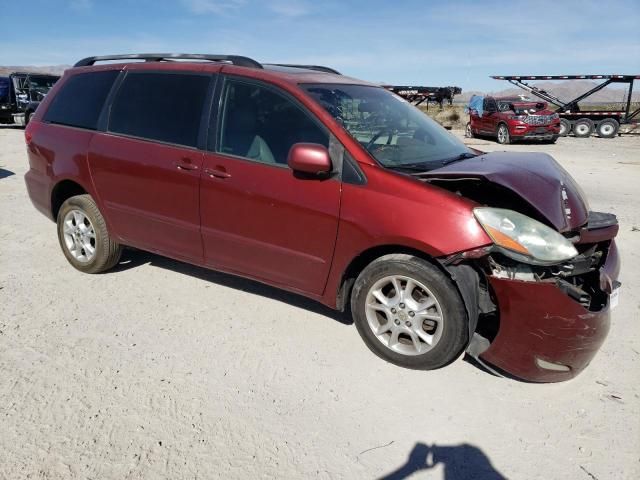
(80, 100)
(160, 106)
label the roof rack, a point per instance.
(318, 68)
(167, 57)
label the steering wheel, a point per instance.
(372, 142)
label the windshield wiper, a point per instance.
(462, 156)
(414, 168)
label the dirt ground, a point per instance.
(164, 370)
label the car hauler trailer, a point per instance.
(573, 119)
(420, 95)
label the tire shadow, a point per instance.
(132, 258)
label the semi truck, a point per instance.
(20, 95)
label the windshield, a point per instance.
(42, 82)
(4, 89)
(393, 131)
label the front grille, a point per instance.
(538, 119)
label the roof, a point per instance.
(291, 73)
(35, 74)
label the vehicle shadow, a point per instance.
(460, 462)
(5, 173)
(132, 258)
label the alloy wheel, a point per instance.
(503, 134)
(404, 315)
(79, 236)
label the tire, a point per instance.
(502, 134)
(565, 127)
(27, 118)
(583, 128)
(84, 238)
(468, 132)
(607, 128)
(397, 345)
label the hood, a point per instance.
(534, 177)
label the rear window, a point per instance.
(160, 106)
(80, 100)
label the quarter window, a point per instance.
(262, 125)
(160, 106)
(80, 100)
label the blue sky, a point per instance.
(403, 42)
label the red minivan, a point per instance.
(333, 188)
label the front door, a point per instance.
(258, 217)
(146, 167)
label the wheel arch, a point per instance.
(62, 191)
(465, 278)
(505, 123)
(364, 258)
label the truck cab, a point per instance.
(20, 95)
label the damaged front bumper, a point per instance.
(545, 335)
(548, 329)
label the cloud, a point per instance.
(289, 8)
(213, 6)
(81, 4)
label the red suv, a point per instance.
(509, 119)
(333, 188)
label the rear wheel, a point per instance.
(565, 127)
(503, 134)
(409, 313)
(583, 128)
(83, 236)
(607, 128)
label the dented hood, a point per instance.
(536, 177)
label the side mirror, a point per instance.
(310, 158)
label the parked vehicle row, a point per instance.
(335, 189)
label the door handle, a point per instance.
(186, 164)
(218, 172)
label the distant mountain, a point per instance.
(51, 69)
(566, 90)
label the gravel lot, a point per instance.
(165, 370)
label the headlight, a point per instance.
(524, 238)
(555, 116)
(522, 118)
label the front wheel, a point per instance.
(565, 127)
(83, 236)
(503, 135)
(409, 313)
